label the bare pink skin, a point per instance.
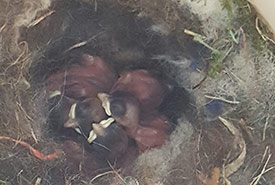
(94, 68)
(149, 131)
(90, 77)
(154, 119)
(147, 89)
(149, 137)
(55, 81)
(94, 109)
(80, 87)
(154, 134)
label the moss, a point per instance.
(215, 64)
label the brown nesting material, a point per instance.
(266, 11)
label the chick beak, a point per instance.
(54, 94)
(72, 111)
(92, 136)
(99, 129)
(106, 123)
(104, 98)
(72, 123)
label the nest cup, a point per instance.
(108, 30)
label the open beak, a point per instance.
(104, 98)
(72, 123)
(54, 94)
(99, 129)
(92, 136)
(72, 111)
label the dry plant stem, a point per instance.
(256, 179)
(77, 45)
(20, 57)
(101, 175)
(117, 174)
(264, 37)
(83, 43)
(38, 20)
(198, 38)
(239, 141)
(35, 152)
(222, 99)
(262, 160)
(265, 127)
(1, 29)
(38, 181)
(224, 178)
(199, 84)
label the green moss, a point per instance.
(215, 64)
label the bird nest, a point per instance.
(211, 85)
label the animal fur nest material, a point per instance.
(203, 149)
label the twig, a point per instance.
(265, 127)
(35, 152)
(221, 99)
(101, 175)
(264, 37)
(262, 160)
(38, 181)
(38, 20)
(83, 43)
(237, 163)
(199, 38)
(1, 29)
(256, 179)
(18, 59)
(77, 45)
(24, 111)
(224, 178)
(199, 84)
(117, 174)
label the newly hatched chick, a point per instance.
(80, 84)
(101, 135)
(92, 76)
(110, 147)
(125, 109)
(134, 101)
(83, 114)
(85, 79)
(110, 143)
(147, 89)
